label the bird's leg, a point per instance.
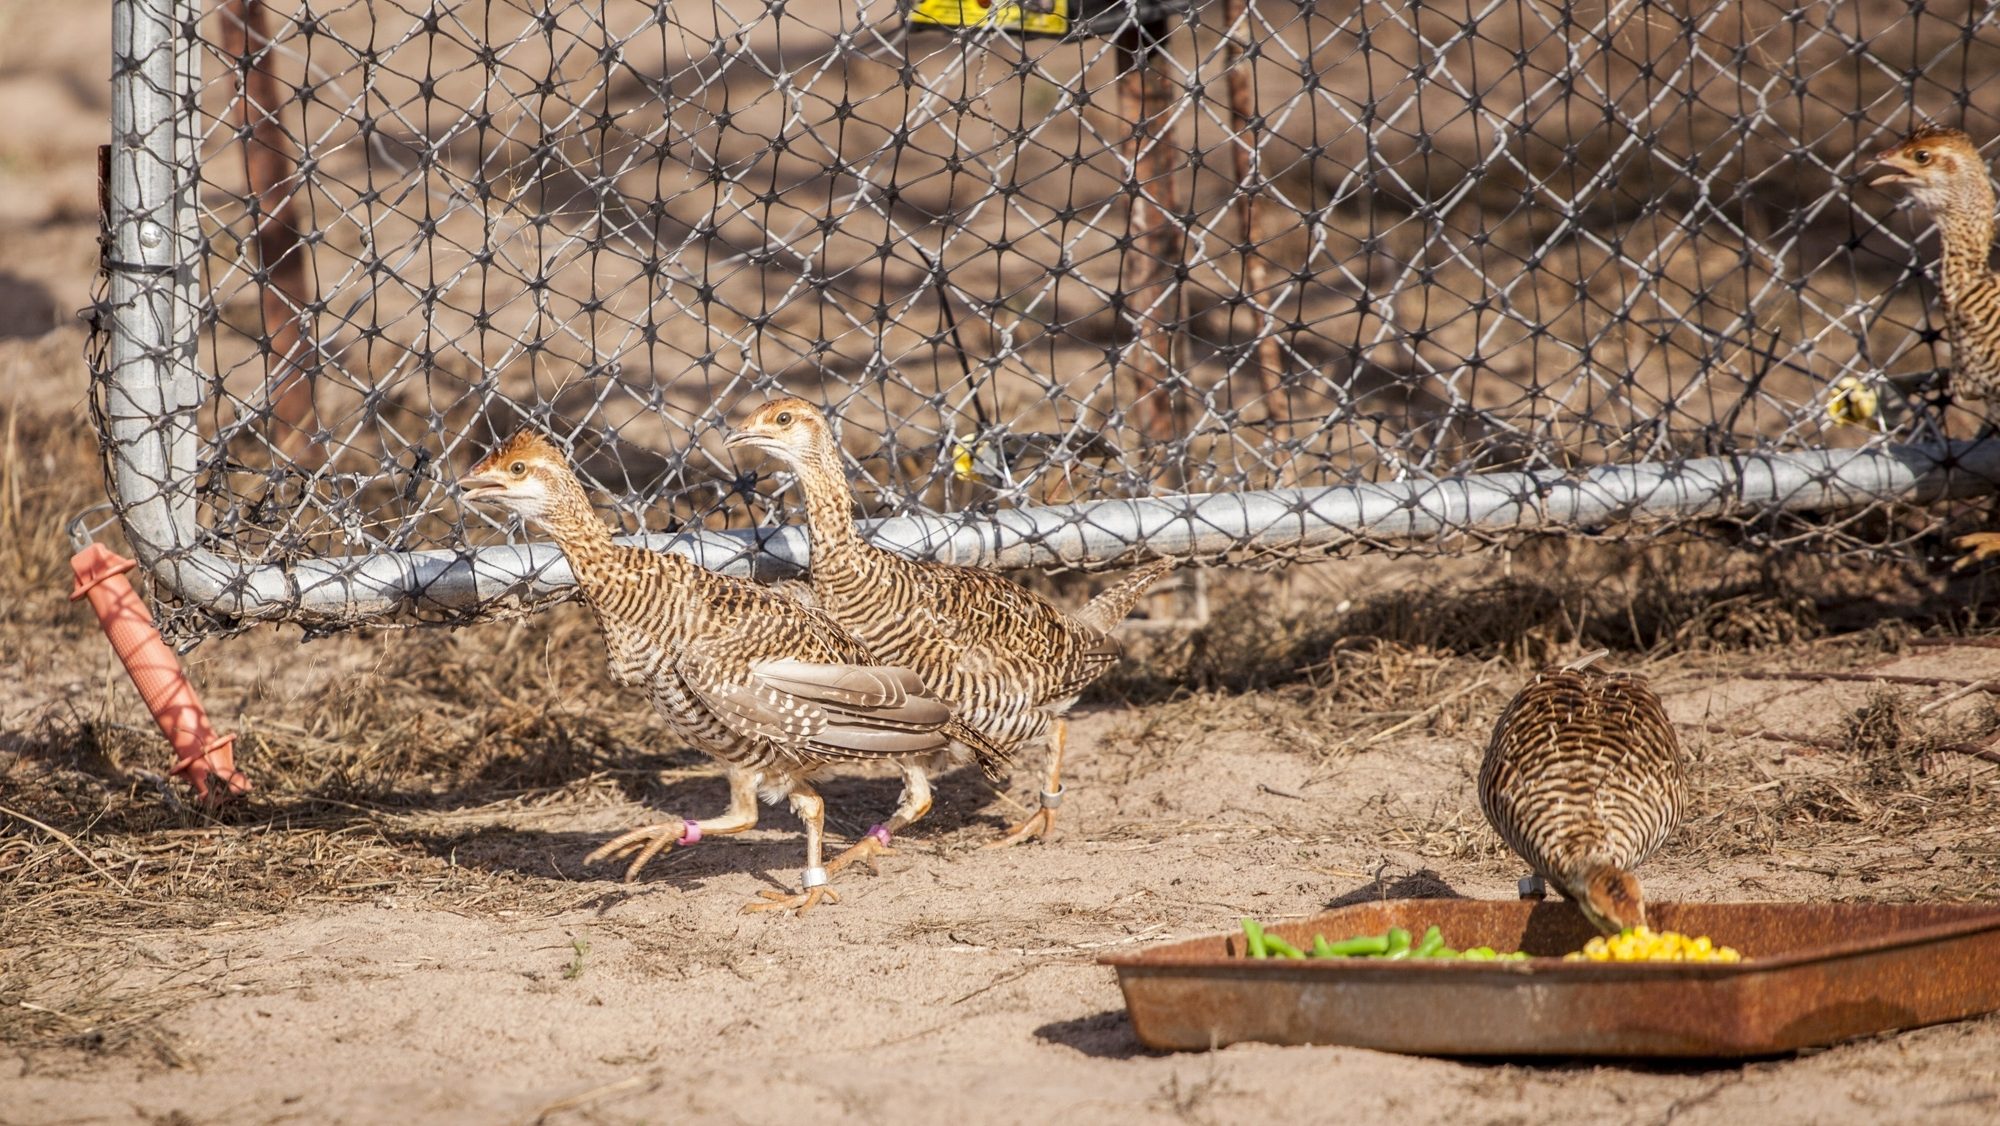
(1534, 887)
(1980, 545)
(653, 840)
(811, 810)
(1041, 822)
(915, 803)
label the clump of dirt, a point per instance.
(1888, 738)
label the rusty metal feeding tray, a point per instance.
(1815, 974)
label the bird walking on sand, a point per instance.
(1008, 661)
(755, 678)
(1585, 780)
(1942, 170)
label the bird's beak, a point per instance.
(1896, 172)
(747, 440)
(480, 486)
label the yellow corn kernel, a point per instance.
(1642, 944)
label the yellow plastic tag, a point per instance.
(1002, 14)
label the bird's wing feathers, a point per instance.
(884, 689)
(981, 612)
(847, 711)
(972, 605)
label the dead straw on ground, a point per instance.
(428, 765)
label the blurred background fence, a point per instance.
(1190, 276)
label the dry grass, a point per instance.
(1878, 773)
(419, 781)
(369, 783)
(1889, 775)
(1552, 600)
(96, 997)
(436, 766)
(1439, 657)
(1435, 660)
(491, 714)
(1437, 828)
(48, 473)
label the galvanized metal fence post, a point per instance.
(147, 399)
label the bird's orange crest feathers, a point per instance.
(1937, 135)
(526, 443)
(770, 410)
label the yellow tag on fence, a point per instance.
(1028, 17)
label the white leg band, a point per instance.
(1053, 800)
(814, 877)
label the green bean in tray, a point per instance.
(1397, 943)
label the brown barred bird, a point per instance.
(754, 677)
(1008, 661)
(1585, 780)
(1942, 170)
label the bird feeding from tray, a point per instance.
(1585, 779)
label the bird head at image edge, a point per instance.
(1932, 164)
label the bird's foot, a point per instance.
(1040, 823)
(798, 903)
(1979, 547)
(873, 843)
(814, 894)
(647, 843)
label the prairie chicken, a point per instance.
(1942, 170)
(756, 678)
(1585, 780)
(1009, 662)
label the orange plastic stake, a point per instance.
(199, 753)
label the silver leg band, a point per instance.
(814, 877)
(1053, 801)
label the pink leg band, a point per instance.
(690, 832)
(880, 833)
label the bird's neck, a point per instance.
(829, 508)
(583, 537)
(1965, 227)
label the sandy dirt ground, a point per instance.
(400, 926)
(449, 958)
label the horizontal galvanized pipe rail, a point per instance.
(359, 589)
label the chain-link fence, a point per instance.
(1186, 276)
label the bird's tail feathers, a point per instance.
(1586, 660)
(993, 759)
(1104, 612)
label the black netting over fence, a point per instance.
(1305, 275)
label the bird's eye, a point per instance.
(1921, 156)
(784, 418)
(518, 468)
